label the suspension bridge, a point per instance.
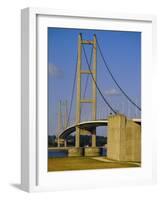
(88, 127)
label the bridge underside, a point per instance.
(88, 126)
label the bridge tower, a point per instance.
(79, 98)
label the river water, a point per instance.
(57, 154)
(64, 153)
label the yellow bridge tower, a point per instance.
(79, 98)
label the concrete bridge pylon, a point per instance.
(79, 99)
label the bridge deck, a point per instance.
(88, 125)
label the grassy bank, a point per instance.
(82, 163)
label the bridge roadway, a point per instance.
(88, 125)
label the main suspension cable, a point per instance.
(72, 95)
(106, 65)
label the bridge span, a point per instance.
(88, 126)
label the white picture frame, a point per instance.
(34, 176)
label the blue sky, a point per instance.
(122, 51)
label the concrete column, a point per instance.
(65, 143)
(94, 138)
(78, 97)
(58, 142)
(77, 137)
(124, 139)
(94, 91)
(133, 141)
(116, 137)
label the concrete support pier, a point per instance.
(94, 138)
(92, 151)
(124, 139)
(73, 152)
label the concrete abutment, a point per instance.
(124, 139)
